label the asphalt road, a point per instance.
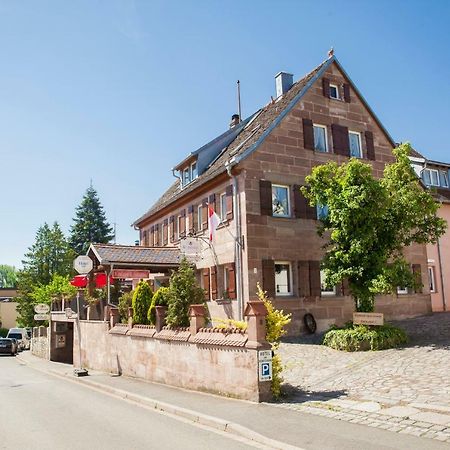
(39, 411)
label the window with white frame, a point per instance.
(325, 289)
(179, 230)
(444, 179)
(280, 201)
(334, 91)
(431, 279)
(194, 172)
(354, 139)
(431, 177)
(186, 176)
(283, 278)
(199, 218)
(320, 138)
(223, 207)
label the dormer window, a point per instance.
(194, 173)
(431, 177)
(188, 174)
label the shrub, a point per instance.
(142, 298)
(184, 291)
(228, 324)
(276, 322)
(354, 338)
(160, 298)
(125, 302)
(3, 332)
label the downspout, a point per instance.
(444, 303)
(237, 242)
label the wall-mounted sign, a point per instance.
(41, 308)
(368, 318)
(60, 340)
(265, 355)
(265, 370)
(130, 274)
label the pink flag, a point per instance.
(213, 222)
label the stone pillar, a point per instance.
(256, 313)
(89, 312)
(130, 317)
(106, 313)
(196, 318)
(113, 316)
(161, 312)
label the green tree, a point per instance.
(50, 255)
(370, 221)
(160, 298)
(55, 292)
(142, 298)
(90, 224)
(184, 291)
(8, 276)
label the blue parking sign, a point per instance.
(265, 370)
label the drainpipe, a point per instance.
(237, 243)
(444, 303)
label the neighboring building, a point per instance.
(8, 312)
(250, 175)
(435, 175)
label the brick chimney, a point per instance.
(235, 119)
(283, 82)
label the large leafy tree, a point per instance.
(50, 255)
(8, 276)
(90, 224)
(369, 223)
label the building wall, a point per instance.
(283, 159)
(8, 314)
(440, 265)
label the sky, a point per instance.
(120, 91)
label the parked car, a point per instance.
(22, 337)
(8, 346)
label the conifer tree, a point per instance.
(90, 224)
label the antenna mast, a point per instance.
(239, 99)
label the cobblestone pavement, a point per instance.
(405, 390)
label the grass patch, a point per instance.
(354, 338)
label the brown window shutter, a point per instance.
(191, 218)
(214, 282)
(340, 140)
(165, 232)
(304, 289)
(195, 219)
(156, 235)
(229, 194)
(347, 93)
(326, 87)
(417, 272)
(145, 238)
(301, 205)
(152, 236)
(308, 134)
(172, 228)
(182, 231)
(268, 276)
(231, 281)
(314, 278)
(265, 195)
(370, 146)
(212, 201)
(206, 283)
(205, 213)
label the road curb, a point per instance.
(168, 408)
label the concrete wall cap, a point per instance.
(197, 310)
(255, 308)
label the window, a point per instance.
(444, 179)
(320, 138)
(322, 211)
(334, 91)
(326, 290)
(194, 173)
(179, 230)
(280, 201)
(186, 176)
(199, 218)
(431, 177)
(354, 139)
(431, 279)
(402, 290)
(283, 283)
(223, 207)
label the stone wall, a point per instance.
(209, 360)
(40, 342)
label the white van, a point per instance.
(22, 337)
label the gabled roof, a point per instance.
(256, 129)
(136, 255)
